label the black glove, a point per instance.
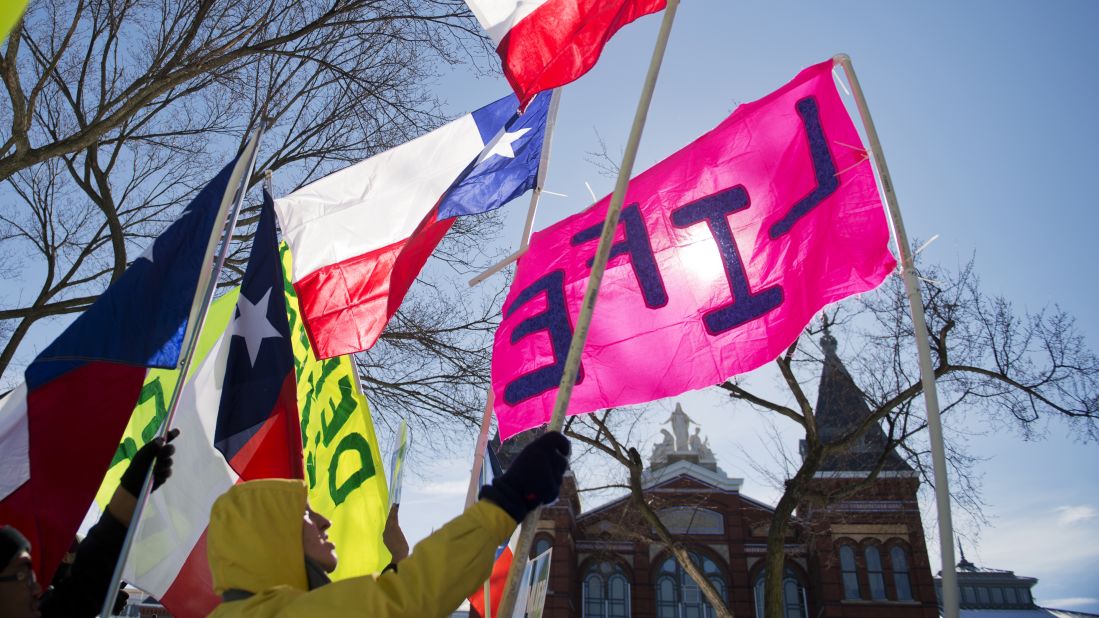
(123, 597)
(533, 479)
(158, 450)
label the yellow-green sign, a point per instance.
(343, 465)
(10, 12)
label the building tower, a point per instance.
(867, 552)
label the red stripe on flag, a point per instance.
(562, 39)
(274, 451)
(75, 422)
(496, 583)
(191, 594)
(412, 259)
(346, 305)
(343, 304)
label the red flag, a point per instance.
(548, 43)
(496, 583)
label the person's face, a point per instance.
(315, 542)
(19, 589)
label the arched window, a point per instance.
(874, 572)
(678, 596)
(606, 592)
(541, 545)
(900, 573)
(850, 575)
(793, 596)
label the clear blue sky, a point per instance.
(986, 113)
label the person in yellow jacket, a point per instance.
(269, 555)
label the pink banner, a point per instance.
(724, 252)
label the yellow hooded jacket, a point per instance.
(254, 544)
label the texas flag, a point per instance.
(239, 421)
(59, 430)
(360, 236)
(544, 44)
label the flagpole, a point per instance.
(583, 321)
(927, 374)
(207, 282)
(539, 181)
(536, 195)
(479, 452)
(543, 165)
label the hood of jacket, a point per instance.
(254, 541)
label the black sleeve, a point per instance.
(81, 594)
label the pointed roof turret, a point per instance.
(841, 407)
(965, 565)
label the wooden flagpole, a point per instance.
(231, 203)
(927, 374)
(583, 321)
(479, 453)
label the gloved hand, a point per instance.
(158, 450)
(533, 479)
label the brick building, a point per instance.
(862, 557)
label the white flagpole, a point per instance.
(486, 419)
(207, 282)
(540, 179)
(583, 321)
(536, 195)
(927, 374)
(479, 453)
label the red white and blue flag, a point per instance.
(544, 44)
(239, 421)
(360, 236)
(257, 421)
(59, 431)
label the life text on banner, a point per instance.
(723, 253)
(343, 466)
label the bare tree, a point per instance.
(120, 110)
(90, 67)
(1015, 370)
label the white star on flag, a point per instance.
(252, 324)
(501, 144)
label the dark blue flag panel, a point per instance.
(260, 356)
(142, 317)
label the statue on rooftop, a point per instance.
(662, 449)
(680, 423)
